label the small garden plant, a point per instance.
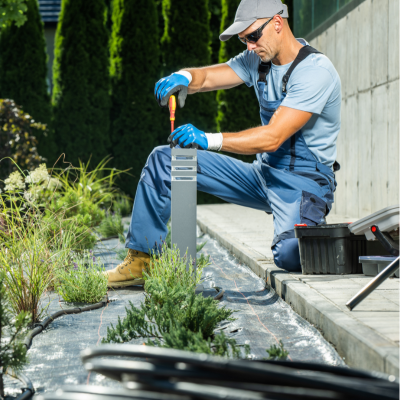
(277, 352)
(83, 281)
(111, 226)
(12, 330)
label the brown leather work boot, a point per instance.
(129, 272)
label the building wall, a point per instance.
(364, 47)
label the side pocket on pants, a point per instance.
(312, 209)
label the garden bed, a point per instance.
(262, 320)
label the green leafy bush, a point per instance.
(12, 329)
(23, 78)
(111, 225)
(82, 281)
(12, 11)
(17, 142)
(71, 204)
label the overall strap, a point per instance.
(263, 71)
(304, 52)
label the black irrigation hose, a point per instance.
(242, 374)
(41, 326)
(27, 390)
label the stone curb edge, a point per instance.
(355, 342)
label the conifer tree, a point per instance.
(81, 81)
(23, 76)
(135, 67)
(186, 43)
(237, 107)
(12, 350)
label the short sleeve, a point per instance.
(243, 65)
(309, 89)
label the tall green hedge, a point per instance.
(135, 67)
(23, 73)
(238, 107)
(81, 96)
(186, 43)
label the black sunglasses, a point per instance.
(253, 37)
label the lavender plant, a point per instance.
(83, 280)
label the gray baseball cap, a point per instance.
(250, 11)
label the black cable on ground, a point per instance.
(41, 326)
(28, 389)
(201, 371)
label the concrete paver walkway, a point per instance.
(367, 337)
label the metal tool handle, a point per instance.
(387, 242)
(377, 281)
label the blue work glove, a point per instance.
(170, 85)
(188, 137)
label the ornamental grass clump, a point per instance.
(122, 206)
(12, 331)
(111, 225)
(82, 281)
(31, 252)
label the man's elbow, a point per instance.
(273, 144)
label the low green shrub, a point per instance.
(122, 206)
(168, 266)
(111, 225)
(72, 204)
(12, 330)
(82, 281)
(277, 352)
(175, 318)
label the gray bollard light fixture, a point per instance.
(184, 200)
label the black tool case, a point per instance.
(330, 249)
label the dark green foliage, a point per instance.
(185, 44)
(215, 27)
(17, 142)
(13, 11)
(23, 77)
(277, 352)
(81, 81)
(12, 329)
(135, 67)
(238, 107)
(176, 318)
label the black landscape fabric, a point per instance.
(263, 319)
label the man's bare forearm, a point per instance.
(213, 77)
(251, 141)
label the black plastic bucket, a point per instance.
(330, 249)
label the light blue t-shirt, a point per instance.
(314, 86)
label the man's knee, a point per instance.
(286, 255)
(157, 171)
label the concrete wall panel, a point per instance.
(364, 153)
(393, 143)
(352, 22)
(379, 54)
(393, 40)
(352, 152)
(379, 174)
(364, 45)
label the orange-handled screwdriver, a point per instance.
(172, 108)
